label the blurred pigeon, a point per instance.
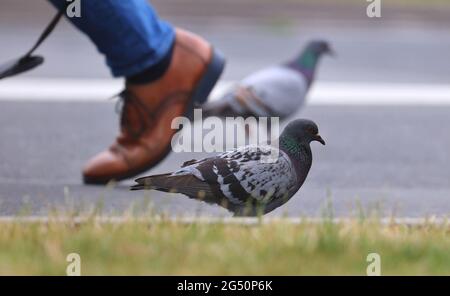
(277, 91)
(239, 180)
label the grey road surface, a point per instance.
(394, 158)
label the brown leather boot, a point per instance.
(148, 110)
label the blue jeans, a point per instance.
(128, 32)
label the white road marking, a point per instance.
(333, 93)
(46, 89)
(323, 93)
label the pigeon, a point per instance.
(239, 180)
(277, 91)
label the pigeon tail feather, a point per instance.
(185, 184)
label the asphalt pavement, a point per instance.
(388, 157)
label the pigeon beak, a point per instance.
(331, 52)
(319, 139)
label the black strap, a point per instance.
(28, 61)
(46, 32)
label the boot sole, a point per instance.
(199, 96)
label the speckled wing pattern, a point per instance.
(240, 176)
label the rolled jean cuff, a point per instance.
(146, 61)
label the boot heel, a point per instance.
(209, 79)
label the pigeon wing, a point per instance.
(278, 89)
(264, 181)
(241, 176)
(232, 179)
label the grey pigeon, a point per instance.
(239, 180)
(277, 91)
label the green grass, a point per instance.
(173, 248)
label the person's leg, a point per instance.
(129, 33)
(168, 71)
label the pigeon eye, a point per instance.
(311, 130)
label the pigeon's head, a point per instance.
(302, 131)
(319, 47)
(308, 59)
